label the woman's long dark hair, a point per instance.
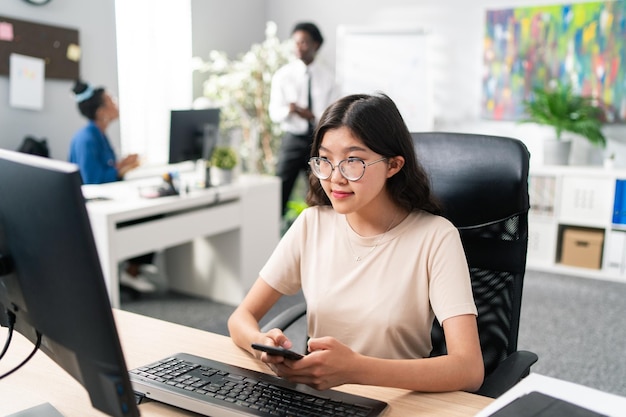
(90, 105)
(376, 121)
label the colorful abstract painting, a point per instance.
(582, 43)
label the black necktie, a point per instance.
(310, 102)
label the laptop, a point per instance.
(218, 389)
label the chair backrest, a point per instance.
(35, 146)
(482, 182)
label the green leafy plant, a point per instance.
(558, 106)
(294, 208)
(224, 157)
(241, 88)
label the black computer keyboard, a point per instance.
(251, 394)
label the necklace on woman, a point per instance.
(359, 258)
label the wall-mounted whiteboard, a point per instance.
(394, 62)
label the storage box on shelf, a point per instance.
(542, 229)
(577, 221)
(582, 247)
(615, 253)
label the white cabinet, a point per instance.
(572, 213)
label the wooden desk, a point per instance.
(146, 339)
(215, 240)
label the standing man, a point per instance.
(301, 91)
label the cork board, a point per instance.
(57, 46)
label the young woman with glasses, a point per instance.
(375, 262)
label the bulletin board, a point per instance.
(57, 46)
(391, 61)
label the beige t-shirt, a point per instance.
(384, 304)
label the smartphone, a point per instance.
(277, 350)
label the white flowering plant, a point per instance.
(241, 88)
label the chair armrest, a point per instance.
(508, 373)
(286, 318)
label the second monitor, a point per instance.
(193, 134)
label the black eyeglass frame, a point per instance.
(315, 159)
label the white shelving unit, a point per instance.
(563, 197)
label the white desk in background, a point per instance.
(592, 399)
(214, 240)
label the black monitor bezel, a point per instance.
(56, 286)
(188, 140)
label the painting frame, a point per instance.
(583, 44)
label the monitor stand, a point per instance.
(41, 410)
(210, 135)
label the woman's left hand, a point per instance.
(329, 364)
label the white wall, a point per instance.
(59, 119)
(230, 26)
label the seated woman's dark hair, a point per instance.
(377, 122)
(89, 99)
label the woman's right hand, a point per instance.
(128, 163)
(274, 337)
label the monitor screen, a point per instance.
(51, 281)
(193, 134)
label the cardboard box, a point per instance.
(582, 247)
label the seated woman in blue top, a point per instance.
(90, 148)
(92, 152)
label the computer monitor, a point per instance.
(51, 281)
(193, 134)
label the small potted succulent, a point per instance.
(223, 161)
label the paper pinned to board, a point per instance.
(26, 82)
(6, 31)
(73, 52)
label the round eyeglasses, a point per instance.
(352, 169)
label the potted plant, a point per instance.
(558, 106)
(223, 161)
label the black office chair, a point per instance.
(482, 182)
(34, 146)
